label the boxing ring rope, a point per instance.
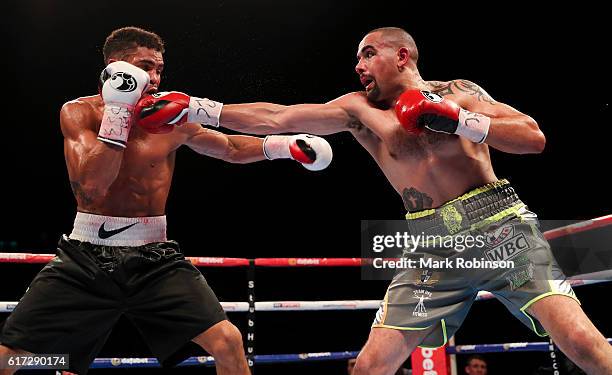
(337, 305)
(307, 262)
(543, 346)
(252, 306)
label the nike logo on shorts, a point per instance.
(103, 233)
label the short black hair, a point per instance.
(399, 37)
(122, 41)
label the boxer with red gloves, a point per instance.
(120, 175)
(431, 139)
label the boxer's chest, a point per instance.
(398, 143)
(149, 155)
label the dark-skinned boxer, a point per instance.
(117, 261)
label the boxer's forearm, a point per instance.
(231, 148)
(92, 165)
(93, 170)
(253, 118)
(516, 135)
(245, 149)
(267, 118)
(102, 164)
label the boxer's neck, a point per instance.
(409, 79)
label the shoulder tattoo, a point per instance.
(463, 87)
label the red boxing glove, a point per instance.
(160, 112)
(418, 109)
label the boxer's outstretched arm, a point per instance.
(231, 148)
(510, 130)
(176, 108)
(268, 118)
(92, 165)
(314, 153)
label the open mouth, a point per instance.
(368, 83)
(151, 90)
(370, 86)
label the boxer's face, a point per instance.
(376, 66)
(149, 60)
(476, 367)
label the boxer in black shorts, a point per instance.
(117, 260)
(431, 139)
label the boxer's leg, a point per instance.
(572, 331)
(386, 350)
(5, 353)
(69, 308)
(171, 304)
(224, 342)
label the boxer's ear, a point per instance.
(403, 57)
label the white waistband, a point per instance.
(118, 231)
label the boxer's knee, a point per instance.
(229, 344)
(223, 341)
(583, 342)
(368, 363)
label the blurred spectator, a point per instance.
(476, 365)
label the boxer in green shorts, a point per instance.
(437, 293)
(431, 140)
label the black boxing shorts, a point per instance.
(72, 305)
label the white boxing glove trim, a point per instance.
(473, 126)
(204, 111)
(277, 147)
(116, 124)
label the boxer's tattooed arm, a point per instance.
(415, 200)
(80, 194)
(442, 88)
(473, 89)
(462, 87)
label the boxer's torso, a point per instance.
(143, 182)
(427, 169)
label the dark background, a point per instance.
(548, 64)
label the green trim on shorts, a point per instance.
(420, 214)
(536, 299)
(469, 194)
(386, 304)
(399, 328)
(442, 321)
